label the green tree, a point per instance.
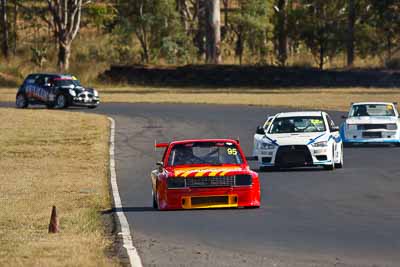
(66, 15)
(319, 24)
(385, 18)
(156, 25)
(251, 25)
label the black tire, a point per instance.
(50, 105)
(340, 164)
(332, 166)
(266, 168)
(347, 144)
(61, 102)
(21, 101)
(155, 204)
(91, 107)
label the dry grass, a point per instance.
(53, 158)
(317, 98)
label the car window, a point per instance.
(40, 80)
(268, 122)
(372, 110)
(208, 153)
(330, 122)
(307, 124)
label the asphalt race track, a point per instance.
(308, 217)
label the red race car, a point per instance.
(204, 173)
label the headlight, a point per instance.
(72, 92)
(352, 126)
(391, 126)
(320, 144)
(266, 146)
(95, 93)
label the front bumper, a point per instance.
(380, 137)
(371, 141)
(202, 198)
(313, 156)
(85, 102)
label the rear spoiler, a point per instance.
(160, 145)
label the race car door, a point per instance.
(37, 90)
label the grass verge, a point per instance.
(53, 158)
(316, 98)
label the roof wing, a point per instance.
(160, 145)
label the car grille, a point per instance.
(371, 126)
(372, 134)
(210, 181)
(209, 200)
(296, 155)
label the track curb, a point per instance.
(125, 233)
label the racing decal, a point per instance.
(37, 92)
(315, 139)
(206, 172)
(232, 151)
(271, 140)
(337, 139)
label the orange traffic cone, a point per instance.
(54, 223)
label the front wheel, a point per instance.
(155, 204)
(340, 164)
(21, 101)
(61, 102)
(331, 167)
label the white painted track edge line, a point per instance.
(134, 258)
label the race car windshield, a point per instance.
(372, 110)
(204, 153)
(66, 82)
(297, 125)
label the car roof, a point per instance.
(51, 74)
(204, 141)
(372, 103)
(300, 114)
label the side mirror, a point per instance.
(260, 130)
(252, 158)
(344, 117)
(335, 129)
(160, 165)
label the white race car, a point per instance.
(371, 122)
(299, 139)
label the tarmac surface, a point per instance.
(308, 217)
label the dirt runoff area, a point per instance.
(54, 158)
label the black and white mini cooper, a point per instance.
(55, 91)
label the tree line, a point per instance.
(213, 31)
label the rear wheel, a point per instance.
(21, 101)
(50, 105)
